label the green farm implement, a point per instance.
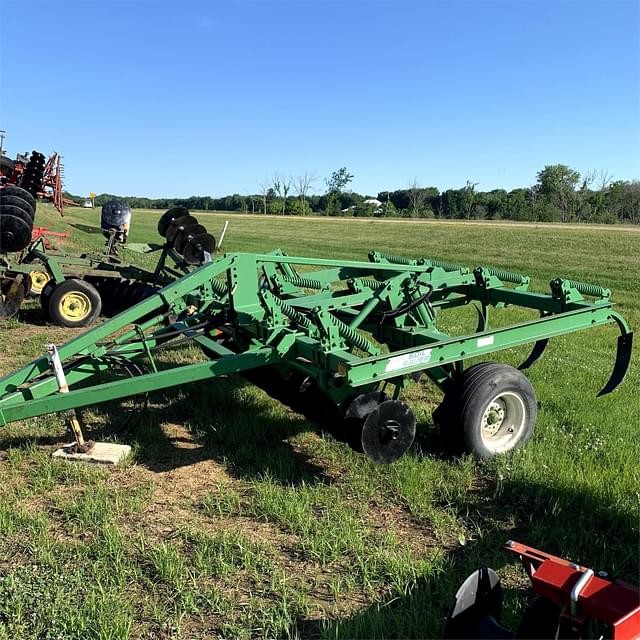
(335, 340)
(75, 288)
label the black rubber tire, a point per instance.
(7, 165)
(47, 290)
(447, 414)
(90, 297)
(13, 190)
(512, 392)
(15, 201)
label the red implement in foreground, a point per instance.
(572, 602)
(581, 594)
(44, 232)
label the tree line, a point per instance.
(560, 194)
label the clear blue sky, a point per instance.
(183, 97)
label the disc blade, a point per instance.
(185, 235)
(12, 293)
(15, 233)
(194, 250)
(168, 216)
(18, 212)
(14, 190)
(388, 431)
(16, 201)
(178, 225)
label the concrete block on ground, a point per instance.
(107, 453)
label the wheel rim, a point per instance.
(38, 280)
(75, 306)
(503, 422)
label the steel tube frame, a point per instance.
(268, 320)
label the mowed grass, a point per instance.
(236, 518)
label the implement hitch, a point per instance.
(335, 340)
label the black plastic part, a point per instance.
(388, 431)
(115, 219)
(623, 357)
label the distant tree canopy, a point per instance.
(560, 194)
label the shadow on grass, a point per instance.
(571, 524)
(33, 316)
(231, 422)
(86, 228)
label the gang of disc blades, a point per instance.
(13, 190)
(388, 431)
(178, 225)
(168, 216)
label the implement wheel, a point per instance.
(498, 409)
(39, 279)
(74, 303)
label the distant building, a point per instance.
(374, 202)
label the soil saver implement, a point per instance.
(335, 340)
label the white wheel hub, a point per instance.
(503, 422)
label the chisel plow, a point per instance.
(335, 340)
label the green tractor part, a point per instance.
(336, 341)
(75, 289)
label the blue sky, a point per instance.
(146, 97)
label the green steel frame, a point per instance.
(60, 265)
(347, 327)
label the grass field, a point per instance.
(236, 518)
